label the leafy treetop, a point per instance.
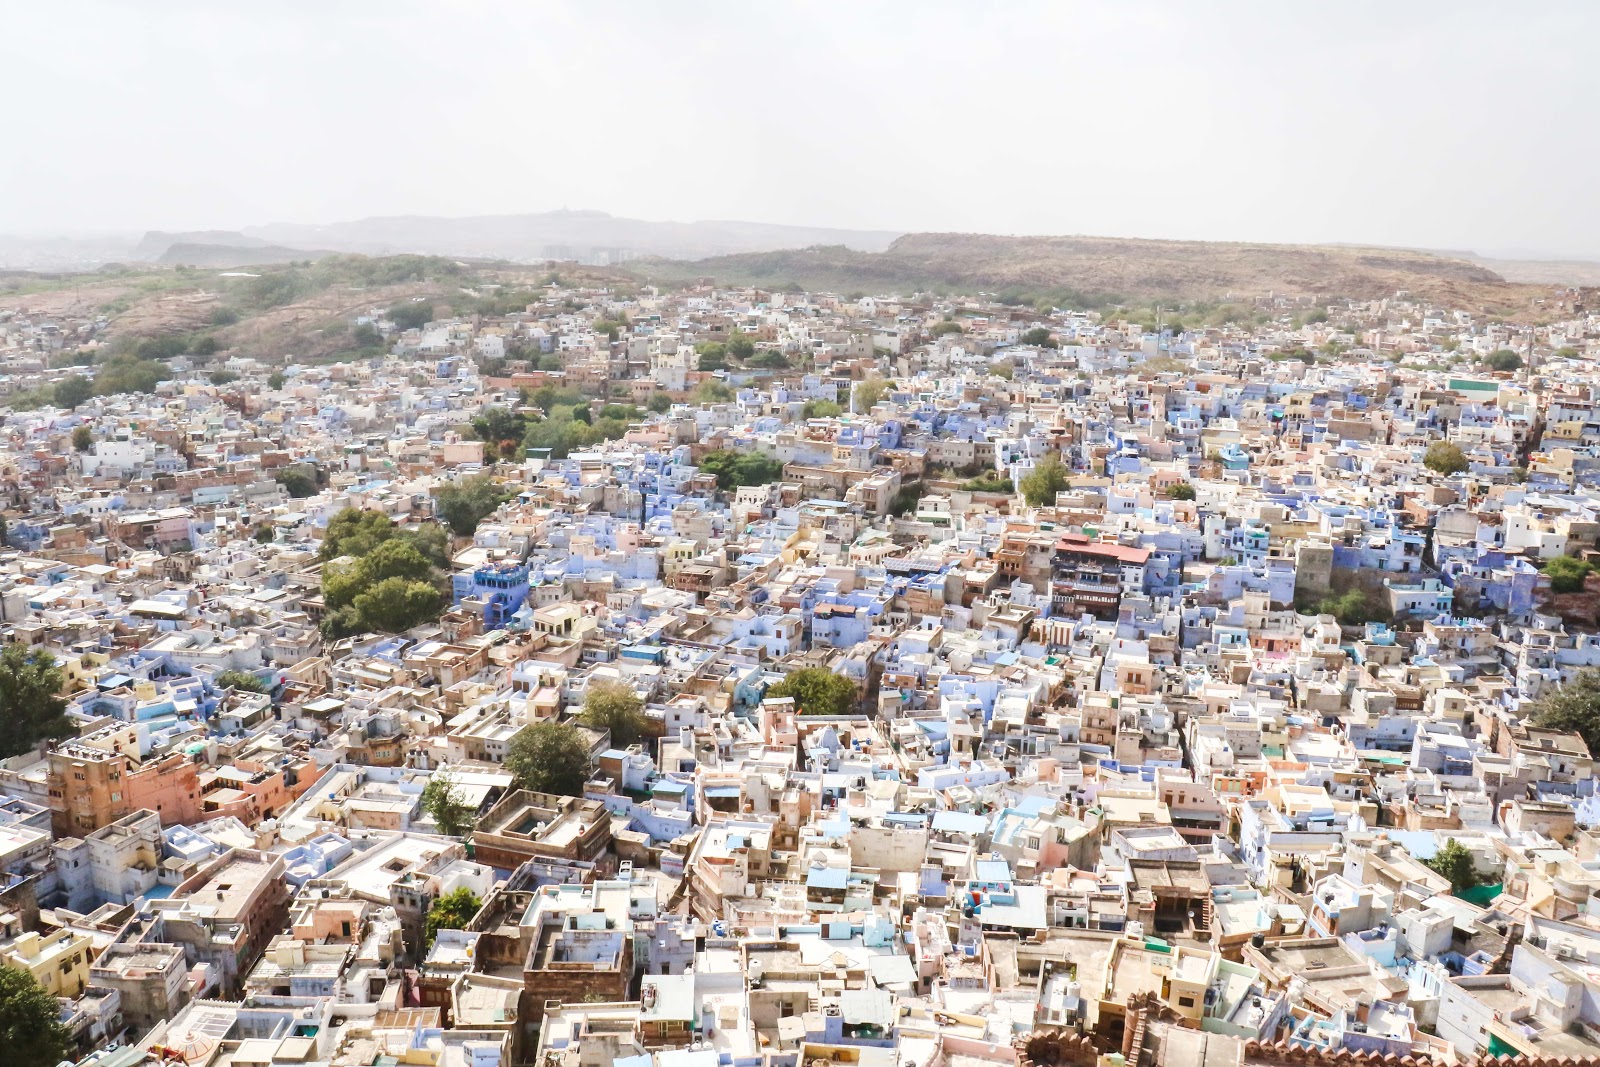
(817, 691)
(549, 757)
(32, 708)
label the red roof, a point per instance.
(1081, 545)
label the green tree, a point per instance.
(1048, 477)
(390, 586)
(870, 392)
(431, 540)
(1572, 708)
(464, 504)
(1567, 574)
(265, 534)
(394, 558)
(453, 911)
(128, 375)
(711, 356)
(447, 806)
(734, 469)
(354, 532)
(1039, 336)
(275, 380)
(30, 1020)
(615, 707)
(223, 377)
(243, 681)
(411, 316)
(712, 391)
(941, 328)
(741, 347)
(1503, 359)
(819, 409)
(989, 483)
(297, 482)
(549, 757)
(1354, 607)
(31, 706)
(501, 430)
(906, 500)
(1454, 861)
(82, 438)
(817, 691)
(395, 605)
(660, 403)
(72, 390)
(1181, 491)
(1445, 457)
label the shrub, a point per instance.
(1567, 574)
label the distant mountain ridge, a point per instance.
(581, 235)
(1105, 267)
(200, 254)
(153, 245)
(1057, 267)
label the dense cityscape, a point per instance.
(575, 672)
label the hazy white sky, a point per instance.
(1443, 125)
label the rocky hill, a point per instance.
(1102, 269)
(156, 243)
(1582, 272)
(557, 235)
(272, 310)
(215, 255)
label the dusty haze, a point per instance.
(1458, 126)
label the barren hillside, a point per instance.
(1544, 271)
(270, 310)
(1113, 268)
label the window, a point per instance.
(1186, 1002)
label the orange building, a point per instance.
(169, 786)
(251, 791)
(92, 787)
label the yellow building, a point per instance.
(58, 961)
